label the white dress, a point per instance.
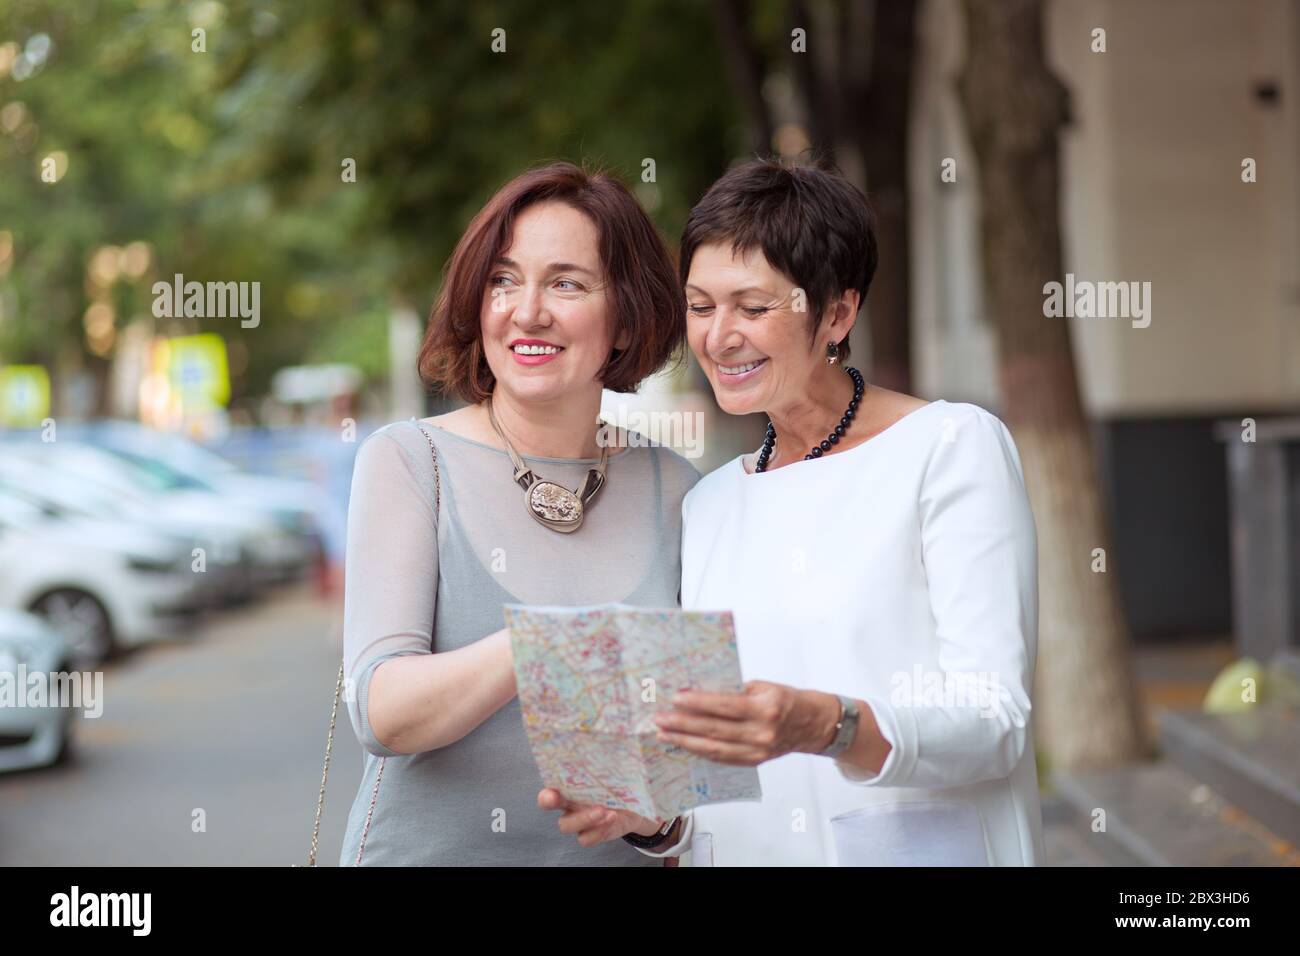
(901, 572)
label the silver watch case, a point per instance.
(846, 729)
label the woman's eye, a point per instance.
(754, 311)
(699, 309)
(499, 279)
(573, 286)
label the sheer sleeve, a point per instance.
(980, 556)
(391, 571)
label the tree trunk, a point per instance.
(1086, 701)
(809, 71)
(747, 69)
(857, 97)
(881, 133)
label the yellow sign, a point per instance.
(197, 369)
(24, 395)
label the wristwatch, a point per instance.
(654, 841)
(846, 728)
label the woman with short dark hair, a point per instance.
(558, 288)
(878, 554)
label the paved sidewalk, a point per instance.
(231, 721)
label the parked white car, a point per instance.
(276, 554)
(228, 571)
(32, 736)
(101, 589)
(297, 506)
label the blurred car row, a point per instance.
(115, 535)
(31, 736)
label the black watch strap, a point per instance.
(655, 841)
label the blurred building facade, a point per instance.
(1163, 124)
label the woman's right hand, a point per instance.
(592, 823)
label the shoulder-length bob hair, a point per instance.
(641, 282)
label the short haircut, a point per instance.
(810, 223)
(644, 295)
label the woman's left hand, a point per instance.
(762, 722)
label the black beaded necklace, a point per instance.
(833, 438)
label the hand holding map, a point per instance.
(591, 680)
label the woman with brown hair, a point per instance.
(558, 288)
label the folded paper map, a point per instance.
(591, 680)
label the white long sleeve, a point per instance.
(900, 572)
(980, 559)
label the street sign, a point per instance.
(24, 395)
(197, 369)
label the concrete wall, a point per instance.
(1152, 192)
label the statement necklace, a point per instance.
(553, 505)
(833, 438)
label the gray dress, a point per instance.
(420, 583)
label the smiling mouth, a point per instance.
(743, 369)
(536, 349)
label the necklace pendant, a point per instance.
(554, 506)
(550, 504)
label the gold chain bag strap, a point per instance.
(338, 688)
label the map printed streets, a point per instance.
(591, 680)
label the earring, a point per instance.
(832, 353)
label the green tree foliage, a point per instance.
(229, 161)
